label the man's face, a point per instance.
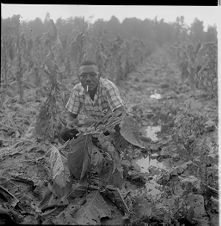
(89, 77)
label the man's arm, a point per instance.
(114, 99)
(73, 107)
(117, 112)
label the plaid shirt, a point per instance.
(106, 99)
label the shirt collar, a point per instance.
(82, 90)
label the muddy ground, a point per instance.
(172, 181)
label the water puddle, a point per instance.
(153, 168)
(156, 96)
(151, 165)
(146, 163)
(151, 132)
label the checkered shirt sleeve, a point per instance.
(73, 104)
(113, 96)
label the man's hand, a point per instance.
(72, 124)
(73, 121)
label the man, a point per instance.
(92, 99)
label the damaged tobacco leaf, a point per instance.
(109, 148)
(115, 196)
(108, 176)
(119, 142)
(93, 210)
(142, 207)
(57, 170)
(116, 178)
(130, 131)
(6, 196)
(78, 157)
(102, 167)
(96, 159)
(47, 119)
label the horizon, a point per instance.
(208, 15)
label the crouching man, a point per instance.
(93, 97)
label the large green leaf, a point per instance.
(94, 209)
(96, 159)
(57, 167)
(115, 196)
(130, 131)
(8, 197)
(111, 176)
(78, 158)
(60, 178)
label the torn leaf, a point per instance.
(94, 209)
(78, 157)
(130, 131)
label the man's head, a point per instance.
(89, 75)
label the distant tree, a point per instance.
(98, 26)
(133, 28)
(114, 25)
(181, 30)
(36, 27)
(80, 24)
(211, 34)
(196, 31)
(162, 32)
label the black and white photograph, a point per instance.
(109, 115)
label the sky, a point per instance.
(208, 14)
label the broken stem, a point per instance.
(7, 196)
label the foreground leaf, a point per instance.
(96, 159)
(57, 167)
(59, 177)
(115, 196)
(130, 131)
(8, 197)
(78, 158)
(94, 209)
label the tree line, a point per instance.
(45, 47)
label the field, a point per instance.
(167, 169)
